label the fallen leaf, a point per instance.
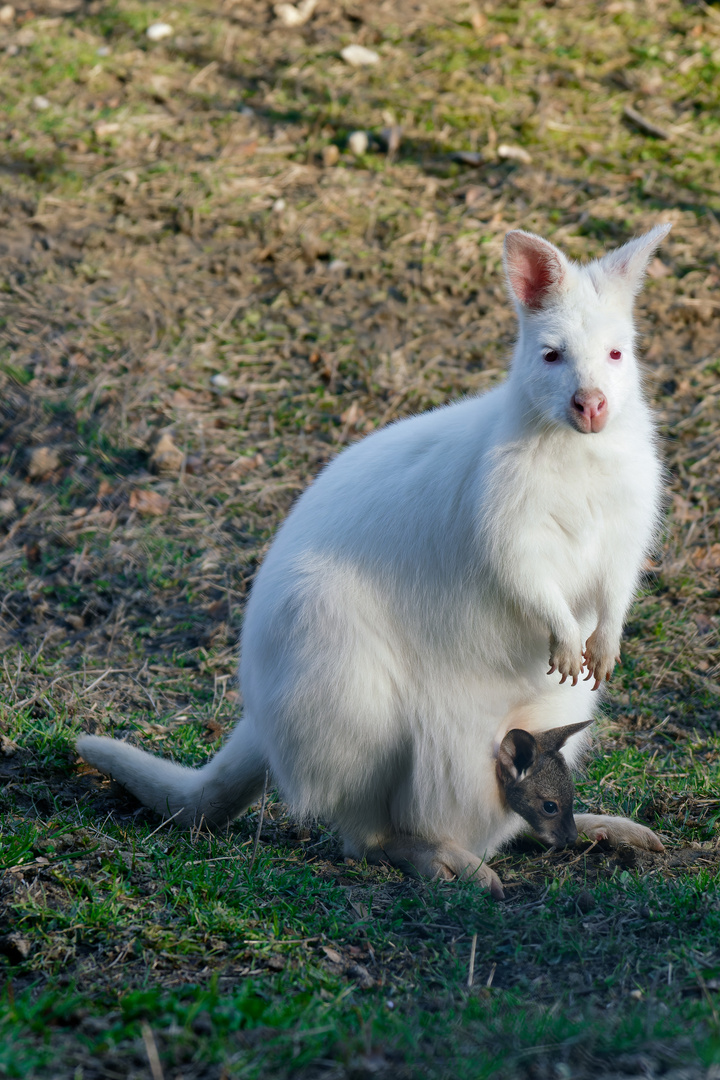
(7, 746)
(707, 558)
(332, 954)
(150, 503)
(43, 461)
(245, 464)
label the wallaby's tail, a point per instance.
(217, 792)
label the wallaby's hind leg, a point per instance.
(618, 830)
(423, 858)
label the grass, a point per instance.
(177, 256)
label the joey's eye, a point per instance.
(615, 355)
(550, 808)
(551, 356)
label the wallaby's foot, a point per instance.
(567, 658)
(600, 658)
(618, 830)
(421, 858)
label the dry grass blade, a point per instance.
(260, 820)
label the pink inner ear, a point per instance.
(533, 268)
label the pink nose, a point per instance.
(589, 410)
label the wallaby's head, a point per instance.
(574, 365)
(537, 782)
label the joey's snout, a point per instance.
(559, 834)
(589, 410)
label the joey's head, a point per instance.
(574, 365)
(537, 783)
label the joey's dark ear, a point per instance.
(516, 755)
(535, 269)
(555, 738)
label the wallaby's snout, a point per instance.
(589, 410)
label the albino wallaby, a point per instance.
(401, 623)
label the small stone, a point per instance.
(358, 143)
(7, 14)
(7, 508)
(150, 503)
(102, 51)
(337, 266)
(359, 56)
(40, 103)
(159, 30)
(278, 206)
(330, 155)
(513, 153)
(220, 380)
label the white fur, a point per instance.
(404, 616)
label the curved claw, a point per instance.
(588, 676)
(597, 685)
(551, 669)
(564, 678)
(575, 680)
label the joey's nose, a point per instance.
(589, 410)
(571, 834)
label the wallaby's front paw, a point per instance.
(565, 658)
(600, 659)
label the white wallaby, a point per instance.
(401, 624)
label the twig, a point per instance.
(152, 1051)
(260, 822)
(646, 126)
(491, 976)
(165, 822)
(471, 967)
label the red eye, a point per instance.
(551, 356)
(615, 354)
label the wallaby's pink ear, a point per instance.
(516, 755)
(535, 269)
(631, 260)
(555, 738)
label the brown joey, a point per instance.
(536, 781)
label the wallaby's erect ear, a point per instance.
(517, 754)
(630, 261)
(555, 738)
(535, 269)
